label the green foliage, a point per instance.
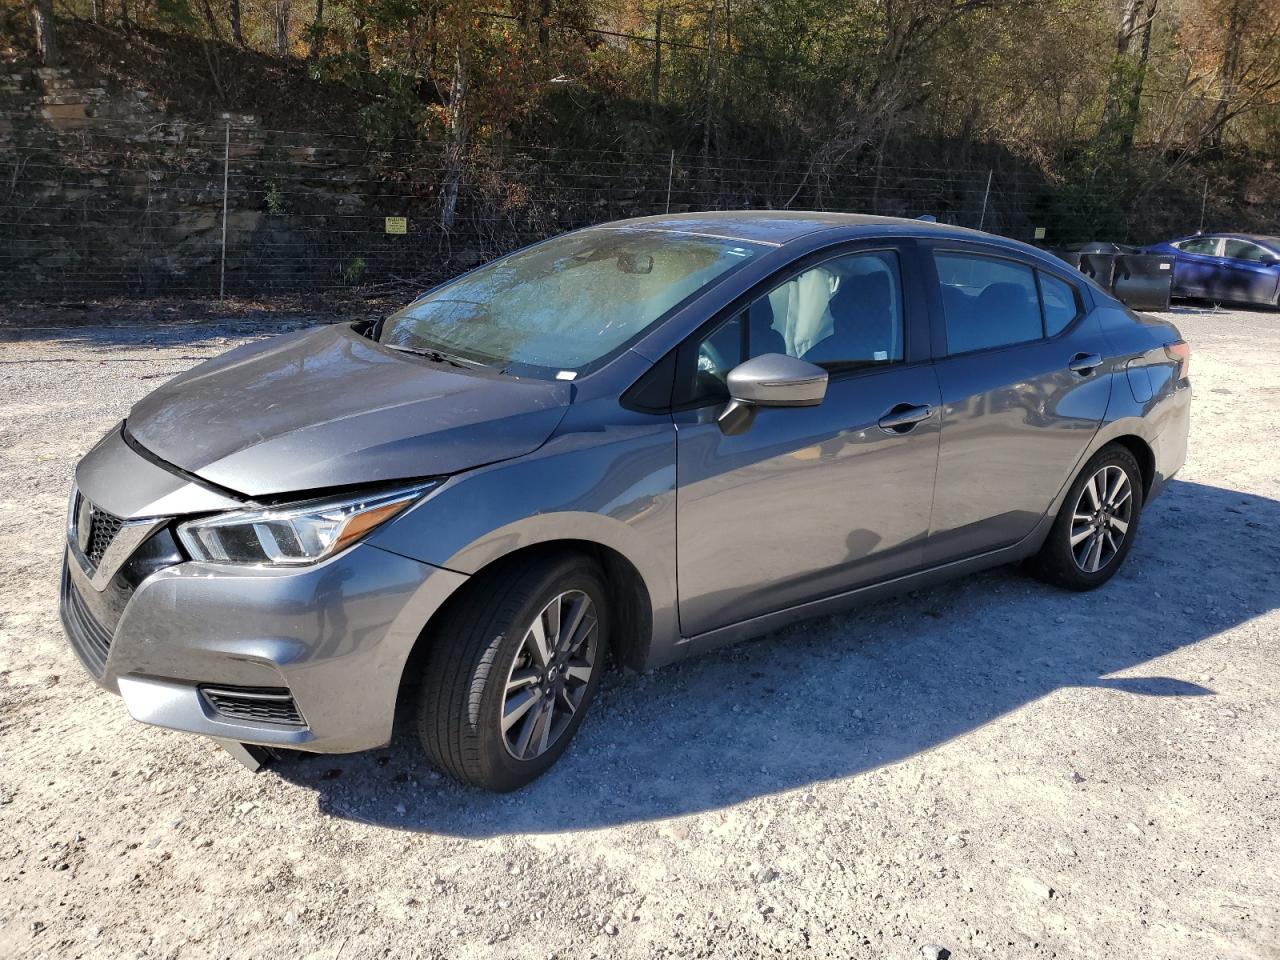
(353, 271)
(176, 14)
(275, 198)
(392, 104)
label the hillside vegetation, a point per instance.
(1117, 119)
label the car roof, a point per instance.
(777, 227)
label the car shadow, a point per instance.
(1201, 307)
(840, 696)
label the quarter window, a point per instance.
(843, 314)
(987, 302)
(1060, 306)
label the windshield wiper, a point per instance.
(437, 356)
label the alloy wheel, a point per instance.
(549, 675)
(1101, 517)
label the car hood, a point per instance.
(328, 407)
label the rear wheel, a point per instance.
(1095, 528)
(512, 670)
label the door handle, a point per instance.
(1085, 363)
(903, 417)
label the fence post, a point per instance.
(987, 193)
(1204, 201)
(226, 171)
(671, 169)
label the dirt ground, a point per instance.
(992, 768)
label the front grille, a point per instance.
(89, 639)
(254, 704)
(103, 528)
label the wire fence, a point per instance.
(99, 208)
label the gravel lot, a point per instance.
(993, 767)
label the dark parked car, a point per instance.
(642, 440)
(1228, 267)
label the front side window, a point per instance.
(843, 314)
(1202, 245)
(565, 303)
(987, 302)
(1244, 250)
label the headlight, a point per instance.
(295, 534)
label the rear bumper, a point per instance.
(1173, 419)
(335, 637)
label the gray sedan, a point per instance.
(637, 441)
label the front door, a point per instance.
(1024, 388)
(1249, 273)
(807, 502)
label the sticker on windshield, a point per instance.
(881, 355)
(567, 375)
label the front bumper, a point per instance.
(312, 655)
(334, 636)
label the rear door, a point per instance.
(808, 501)
(1195, 265)
(1024, 387)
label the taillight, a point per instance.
(1180, 351)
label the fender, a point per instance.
(612, 486)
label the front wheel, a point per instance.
(512, 670)
(1097, 523)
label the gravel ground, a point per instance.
(992, 768)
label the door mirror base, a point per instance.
(736, 418)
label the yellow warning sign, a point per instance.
(397, 224)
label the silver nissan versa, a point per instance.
(639, 441)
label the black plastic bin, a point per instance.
(1139, 280)
(1143, 281)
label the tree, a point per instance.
(1128, 73)
(236, 33)
(282, 27)
(317, 32)
(459, 128)
(1231, 56)
(360, 35)
(46, 33)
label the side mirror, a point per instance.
(770, 380)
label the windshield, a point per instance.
(565, 303)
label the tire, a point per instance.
(486, 641)
(1059, 562)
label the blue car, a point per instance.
(1232, 267)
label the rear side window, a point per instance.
(1206, 245)
(987, 302)
(1060, 304)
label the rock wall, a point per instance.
(107, 192)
